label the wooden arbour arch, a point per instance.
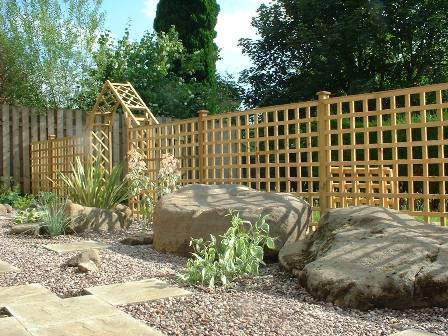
(100, 121)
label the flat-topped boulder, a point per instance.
(200, 210)
(85, 219)
(366, 257)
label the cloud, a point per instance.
(234, 22)
(149, 9)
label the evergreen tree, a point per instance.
(194, 21)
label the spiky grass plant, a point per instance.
(54, 217)
(91, 185)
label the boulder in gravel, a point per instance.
(26, 229)
(143, 238)
(366, 257)
(5, 209)
(83, 219)
(200, 210)
(86, 261)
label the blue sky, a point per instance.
(233, 23)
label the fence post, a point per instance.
(323, 111)
(202, 128)
(51, 139)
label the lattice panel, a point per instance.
(369, 182)
(405, 131)
(270, 149)
(179, 139)
(52, 157)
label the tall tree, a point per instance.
(195, 22)
(46, 47)
(346, 46)
(149, 65)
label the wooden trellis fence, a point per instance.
(386, 148)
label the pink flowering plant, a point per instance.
(147, 190)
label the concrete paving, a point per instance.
(75, 246)
(136, 292)
(115, 325)
(9, 326)
(36, 311)
(44, 314)
(5, 267)
(25, 294)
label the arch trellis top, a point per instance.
(100, 121)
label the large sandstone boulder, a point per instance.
(200, 210)
(84, 219)
(365, 257)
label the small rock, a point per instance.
(138, 239)
(8, 208)
(88, 266)
(84, 259)
(26, 229)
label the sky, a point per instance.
(234, 22)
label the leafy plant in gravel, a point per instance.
(54, 217)
(239, 252)
(28, 216)
(91, 185)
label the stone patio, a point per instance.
(9, 326)
(136, 292)
(75, 246)
(36, 311)
(5, 267)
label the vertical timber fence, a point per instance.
(386, 149)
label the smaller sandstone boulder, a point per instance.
(26, 229)
(8, 208)
(3, 209)
(86, 261)
(138, 239)
(83, 219)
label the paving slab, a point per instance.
(25, 294)
(53, 313)
(9, 326)
(136, 291)
(5, 267)
(76, 246)
(413, 332)
(116, 325)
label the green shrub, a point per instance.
(44, 198)
(24, 202)
(28, 216)
(90, 185)
(11, 197)
(54, 217)
(240, 252)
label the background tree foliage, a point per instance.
(46, 46)
(157, 66)
(346, 46)
(195, 22)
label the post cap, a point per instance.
(323, 93)
(51, 137)
(203, 112)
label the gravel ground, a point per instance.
(271, 304)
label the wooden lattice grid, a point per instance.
(404, 130)
(52, 157)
